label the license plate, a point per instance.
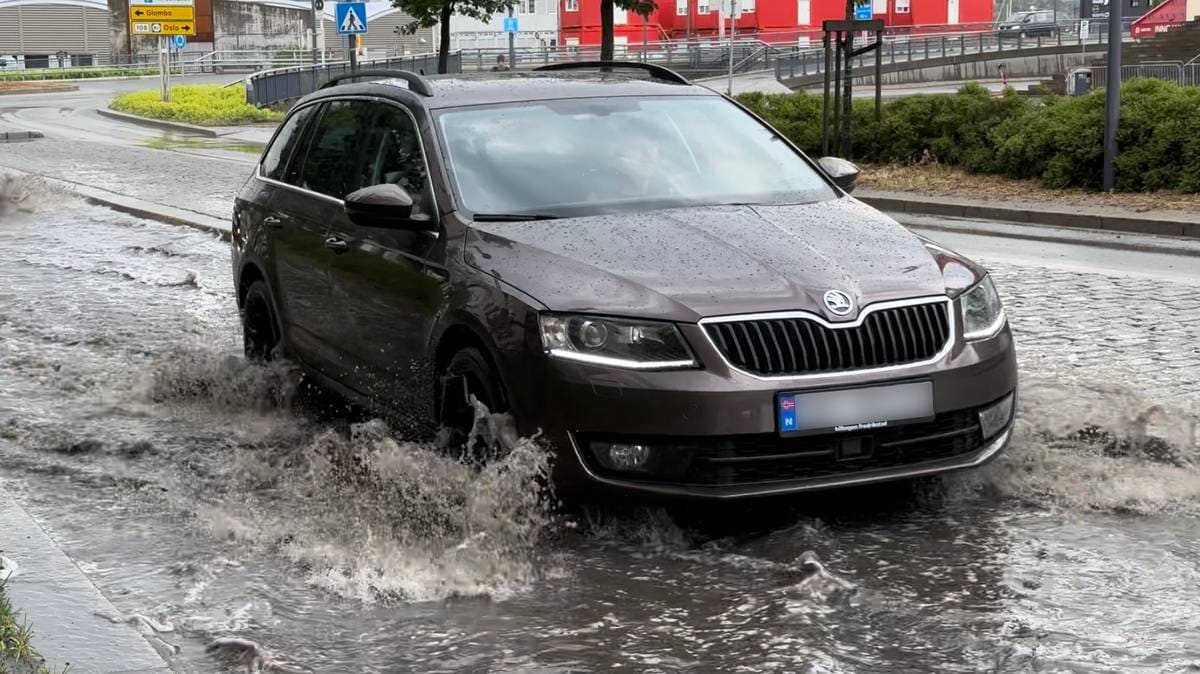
(854, 409)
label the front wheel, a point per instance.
(469, 375)
(260, 329)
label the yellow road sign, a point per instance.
(169, 13)
(163, 27)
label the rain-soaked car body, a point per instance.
(641, 270)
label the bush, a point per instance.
(205, 104)
(1056, 140)
(72, 73)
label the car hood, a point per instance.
(688, 263)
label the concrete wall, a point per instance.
(251, 25)
(1025, 66)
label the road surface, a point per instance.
(213, 498)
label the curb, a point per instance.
(17, 136)
(136, 207)
(159, 123)
(1182, 225)
(58, 89)
(64, 607)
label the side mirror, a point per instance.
(844, 174)
(384, 205)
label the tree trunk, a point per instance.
(444, 43)
(606, 30)
(849, 10)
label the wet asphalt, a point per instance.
(213, 498)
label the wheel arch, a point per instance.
(249, 274)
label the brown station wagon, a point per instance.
(680, 300)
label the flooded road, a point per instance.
(251, 529)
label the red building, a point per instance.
(776, 21)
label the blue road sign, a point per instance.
(351, 18)
(863, 12)
(510, 24)
(180, 41)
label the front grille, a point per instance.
(750, 459)
(793, 346)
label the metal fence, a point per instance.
(270, 87)
(1178, 72)
(913, 49)
(688, 58)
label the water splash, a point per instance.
(1095, 445)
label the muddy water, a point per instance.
(243, 526)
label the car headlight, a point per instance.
(982, 313)
(616, 342)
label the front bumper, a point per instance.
(573, 402)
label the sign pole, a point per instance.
(1112, 96)
(353, 53)
(512, 44)
(164, 68)
(733, 17)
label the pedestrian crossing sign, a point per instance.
(351, 18)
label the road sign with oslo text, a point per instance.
(162, 17)
(351, 18)
(164, 27)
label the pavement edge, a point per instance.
(1169, 225)
(74, 624)
(158, 123)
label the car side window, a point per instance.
(336, 151)
(394, 156)
(275, 160)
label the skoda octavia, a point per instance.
(675, 296)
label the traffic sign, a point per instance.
(1084, 30)
(351, 18)
(510, 24)
(162, 13)
(179, 41)
(863, 12)
(163, 27)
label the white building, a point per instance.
(537, 26)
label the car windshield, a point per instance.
(600, 155)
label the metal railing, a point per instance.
(278, 85)
(689, 58)
(915, 49)
(1177, 72)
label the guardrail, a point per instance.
(913, 49)
(270, 87)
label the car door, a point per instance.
(385, 283)
(293, 277)
(309, 209)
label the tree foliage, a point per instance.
(430, 13)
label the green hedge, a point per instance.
(72, 73)
(1056, 140)
(204, 104)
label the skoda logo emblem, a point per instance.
(838, 303)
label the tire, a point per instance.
(468, 373)
(261, 337)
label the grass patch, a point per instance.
(203, 104)
(72, 73)
(16, 640)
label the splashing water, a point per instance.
(1096, 446)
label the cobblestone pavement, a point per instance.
(1143, 331)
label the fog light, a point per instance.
(995, 418)
(622, 456)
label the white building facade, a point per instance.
(537, 27)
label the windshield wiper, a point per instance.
(513, 217)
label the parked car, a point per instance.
(678, 298)
(1029, 24)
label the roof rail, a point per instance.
(416, 83)
(655, 70)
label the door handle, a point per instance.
(272, 221)
(336, 245)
